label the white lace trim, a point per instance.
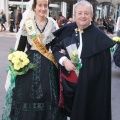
(49, 29)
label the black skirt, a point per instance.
(35, 96)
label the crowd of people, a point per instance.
(106, 25)
(72, 77)
(13, 20)
(63, 21)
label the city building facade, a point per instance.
(102, 8)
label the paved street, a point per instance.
(7, 41)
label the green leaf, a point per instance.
(11, 50)
(23, 70)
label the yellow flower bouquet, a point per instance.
(20, 63)
(75, 60)
(116, 39)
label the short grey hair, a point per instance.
(83, 2)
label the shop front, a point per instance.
(55, 7)
(63, 7)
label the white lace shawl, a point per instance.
(49, 29)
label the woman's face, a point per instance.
(41, 7)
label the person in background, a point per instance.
(60, 13)
(54, 17)
(35, 95)
(110, 28)
(11, 20)
(60, 21)
(9, 15)
(18, 19)
(0, 19)
(64, 21)
(85, 67)
(70, 20)
(3, 20)
(105, 23)
(118, 27)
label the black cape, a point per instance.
(93, 92)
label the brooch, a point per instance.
(78, 30)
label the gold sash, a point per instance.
(31, 31)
